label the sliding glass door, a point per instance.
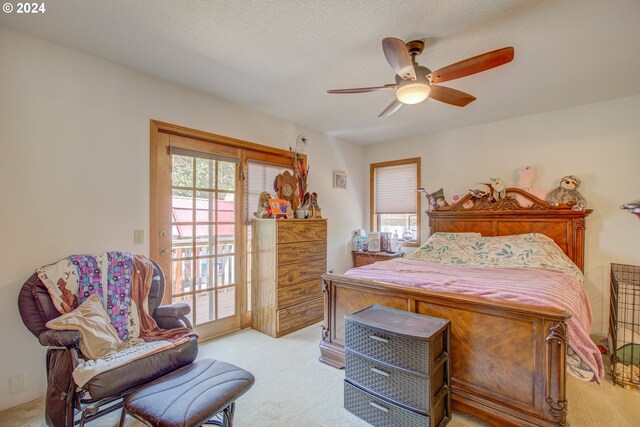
(201, 217)
(204, 191)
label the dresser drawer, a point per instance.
(290, 274)
(300, 315)
(401, 386)
(407, 353)
(301, 231)
(292, 253)
(379, 412)
(300, 292)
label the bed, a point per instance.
(509, 358)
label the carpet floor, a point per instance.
(294, 389)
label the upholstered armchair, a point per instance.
(103, 393)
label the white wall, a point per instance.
(599, 143)
(74, 170)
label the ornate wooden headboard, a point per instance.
(505, 217)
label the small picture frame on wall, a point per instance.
(340, 180)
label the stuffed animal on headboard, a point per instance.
(479, 190)
(496, 189)
(567, 194)
(499, 191)
(526, 176)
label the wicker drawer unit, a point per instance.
(397, 368)
(288, 258)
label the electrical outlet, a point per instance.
(138, 237)
(16, 383)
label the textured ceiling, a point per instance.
(280, 57)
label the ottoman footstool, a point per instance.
(190, 396)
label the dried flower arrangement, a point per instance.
(300, 172)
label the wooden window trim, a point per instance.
(372, 217)
(247, 150)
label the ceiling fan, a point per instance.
(415, 83)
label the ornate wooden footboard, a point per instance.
(508, 359)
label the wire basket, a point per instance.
(624, 325)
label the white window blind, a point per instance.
(260, 177)
(395, 189)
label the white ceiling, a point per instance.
(280, 57)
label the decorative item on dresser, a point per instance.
(361, 258)
(397, 368)
(286, 186)
(289, 257)
(310, 203)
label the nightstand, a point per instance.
(361, 258)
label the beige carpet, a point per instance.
(294, 389)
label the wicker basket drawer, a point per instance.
(379, 412)
(415, 391)
(394, 350)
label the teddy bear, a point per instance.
(264, 208)
(567, 194)
(526, 176)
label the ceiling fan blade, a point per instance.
(395, 50)
(473, 65)
(364, 89)
(451, 96)
(391, 108)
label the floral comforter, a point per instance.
(516, 251)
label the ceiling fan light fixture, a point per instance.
(413, 93)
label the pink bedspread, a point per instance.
(536, 286)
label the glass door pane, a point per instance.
(203, 236)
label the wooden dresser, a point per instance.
(397, 369)
(288, 258)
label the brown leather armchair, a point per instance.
(104, 392)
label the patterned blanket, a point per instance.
(533, 250)
(110, 275)
(121, 280)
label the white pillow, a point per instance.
(99, 337)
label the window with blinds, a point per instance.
(395, 205)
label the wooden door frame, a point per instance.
(246, 151)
